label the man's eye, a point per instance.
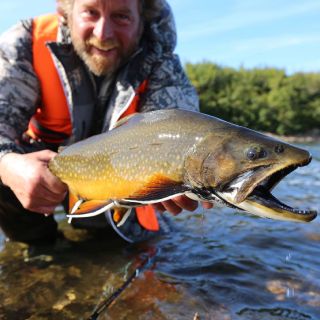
(90, 13)
(121, 18)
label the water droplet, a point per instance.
(288, 257)
(290, 292)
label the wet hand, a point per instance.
(28, 176)
(179, 203)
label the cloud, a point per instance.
(248, 14)
(275, 42)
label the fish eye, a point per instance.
(252, 154)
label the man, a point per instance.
(68, 76)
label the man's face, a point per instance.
(105, 32)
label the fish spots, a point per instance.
(169, 136)
(116, 163)
(84, 168)
(141, 164)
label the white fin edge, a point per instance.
(124, 218)
(74, 209)
(91, 214)
(152, 201)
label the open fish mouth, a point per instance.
(265, 199)
(260, 201)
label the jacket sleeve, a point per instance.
(169, 87)
(19, 87)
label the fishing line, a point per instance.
(103, 305)
(202, 223)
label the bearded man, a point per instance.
(70, 75)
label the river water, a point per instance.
(217, 264)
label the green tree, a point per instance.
(262, 99)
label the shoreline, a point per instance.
(307, 138)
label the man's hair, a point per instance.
(65, 7)
(148, 8)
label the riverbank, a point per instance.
(306, 138)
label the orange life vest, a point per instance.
(52, 123)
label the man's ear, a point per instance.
(59, 8)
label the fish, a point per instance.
(155, 156)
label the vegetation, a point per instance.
(261, 99)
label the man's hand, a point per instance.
(28, 176)
(179, 203)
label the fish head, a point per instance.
(242, 167)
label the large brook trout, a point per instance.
(155, 156)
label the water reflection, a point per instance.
(272, 314)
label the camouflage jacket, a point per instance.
(168, 86)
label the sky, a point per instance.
(284, 34)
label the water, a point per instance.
(218, 264)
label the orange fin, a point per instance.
(119, 213)
(159, 187)
(79, 208)
(90, 206)
(147, 218)
(73, 199)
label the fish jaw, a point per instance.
(269, 175)
(272, 208)
(267, 206)
(251, 192)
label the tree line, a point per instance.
(262, 99)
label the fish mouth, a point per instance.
(252, 194)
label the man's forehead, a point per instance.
(130, 4)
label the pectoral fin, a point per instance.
(73, 202)
(90, 208)
(147, 218)
(120, 215)
(159, 188)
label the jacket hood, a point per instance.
(160, 33)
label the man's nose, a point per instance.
(103, 29)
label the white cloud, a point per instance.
(248, 14)
(275, 42)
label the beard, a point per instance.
(99, 63)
